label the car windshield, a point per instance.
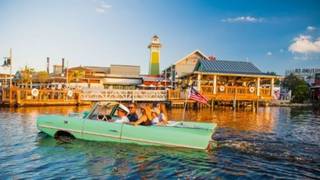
(101, 109)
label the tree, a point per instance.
(298, 87)
(26, 75)
(277, 81)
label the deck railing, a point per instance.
(225, 93)
(21, 96)
(123, 95)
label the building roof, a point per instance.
(193, 52)
(97, 68)
(227, 67)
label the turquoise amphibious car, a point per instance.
(88, 127)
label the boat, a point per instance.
(88, 126)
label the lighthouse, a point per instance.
(154, 64)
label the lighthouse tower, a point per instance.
(154, 64)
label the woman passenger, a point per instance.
(145, 118)
(155, 116)
(163, 114)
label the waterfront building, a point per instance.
(4, 79)
(57, 69)
(122, 77)
(154, 64)
(221, 80)
(307, 74)
(182, 67)
(113, 77)
(154, 82)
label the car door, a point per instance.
(97, 130)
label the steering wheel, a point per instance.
(103, 117)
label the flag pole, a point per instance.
(185, 104)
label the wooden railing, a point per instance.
(123, 95)
(225, 93)
(23, 96)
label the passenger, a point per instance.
(155, 116)
(163, 114)
(122, 114)
(145, 119)
(132, 116)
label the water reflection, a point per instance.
(116, 160)
(269, 143)
(242, 120)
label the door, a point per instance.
(96, 130)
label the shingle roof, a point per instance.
(222, 66)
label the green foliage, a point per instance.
(277, 81)
(299, 88)
(26, 75)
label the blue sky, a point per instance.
(275, 35)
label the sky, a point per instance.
(275, 35)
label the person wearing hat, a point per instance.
(122, 113)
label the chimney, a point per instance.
(62, 65)
(48, 65)
(212, 58)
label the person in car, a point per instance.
(145, 118)
(122, 112)
(132, 116)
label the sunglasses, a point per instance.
(131, 107)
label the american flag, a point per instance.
(195, 95)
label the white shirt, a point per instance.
(123, 119)
(155, 120)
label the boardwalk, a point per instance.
(123, 95)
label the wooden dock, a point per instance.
(46, 97)
(231, 96)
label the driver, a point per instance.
(122, 113)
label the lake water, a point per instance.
(269, 143)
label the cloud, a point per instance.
(305, 44)
(311, 28)
(269, 53)
(102, 7)
(243, 19)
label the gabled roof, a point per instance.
(227, 67)
(193, 52)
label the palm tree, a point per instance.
(26, 75)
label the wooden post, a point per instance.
(18, 97)
(215, 84)
(253, 106)
(272, 87)
(258, 87)
(199, 82)
(78, 99)
(234, 104)
(10, 96)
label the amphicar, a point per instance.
(89, 126)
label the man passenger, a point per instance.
(132, 116)
(122, 114)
